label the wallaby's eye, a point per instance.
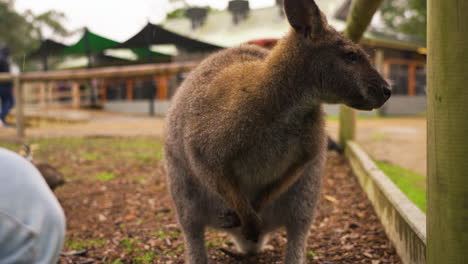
(352, 57)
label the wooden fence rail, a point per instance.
(45, 84)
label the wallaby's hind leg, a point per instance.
(190, 205)
(299, 207)
(194, 236)
(297, 238)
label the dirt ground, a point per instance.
(118, 209)
(401, 141)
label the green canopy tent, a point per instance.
(91, 45)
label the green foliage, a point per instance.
(178, 13)
(406, 16)
(411, 183)
(22, 32)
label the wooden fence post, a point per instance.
(162, 87)
(42, 94)
(447, 132)
(130, 86)
(76, 95)
(347, 122)
(19, 106)
(103, 91)
(50, 96)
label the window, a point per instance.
(420, 80)
(399, 79)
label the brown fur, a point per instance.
(246, 132)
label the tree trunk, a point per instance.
(447, 159)
(359, 18)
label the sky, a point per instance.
(116, 19)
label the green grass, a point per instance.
(105, 176)
(378, 136)
(411, 183)
(160, 234)
(11, 146)
(129, 245)
(89, 156)
(81, 244)
(147, 258)
(311, 255)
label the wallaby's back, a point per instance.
(192, 100)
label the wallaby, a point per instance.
(245, 144)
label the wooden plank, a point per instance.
(130, 87)
(76, 96)
(109, 72)
(162, 88)
(386, 71)
(412, 80)
(379, 60)
(42, 94)
(405, 62)
(19, 106)
(50, 99)
(403, 221)
(103, 90)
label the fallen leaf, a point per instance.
(331, 199)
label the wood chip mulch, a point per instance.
(129, 219)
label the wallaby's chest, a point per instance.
(271, 154)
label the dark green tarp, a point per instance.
(89, 43)
(48, 47)
(93, 44)
(155, 35)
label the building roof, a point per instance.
(266, 23)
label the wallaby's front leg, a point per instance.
(274, 190)
(218, 175)
(231, 193)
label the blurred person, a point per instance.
(32, 222)
(6, 87)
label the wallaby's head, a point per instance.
(339, 68)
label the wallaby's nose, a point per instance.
(386, 91)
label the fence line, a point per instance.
(44, 85)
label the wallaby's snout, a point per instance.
(379, 94)
(387, 92)
(372, 96)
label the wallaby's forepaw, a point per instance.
(229, 219)
(251, 229)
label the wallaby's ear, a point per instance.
(305, 17)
